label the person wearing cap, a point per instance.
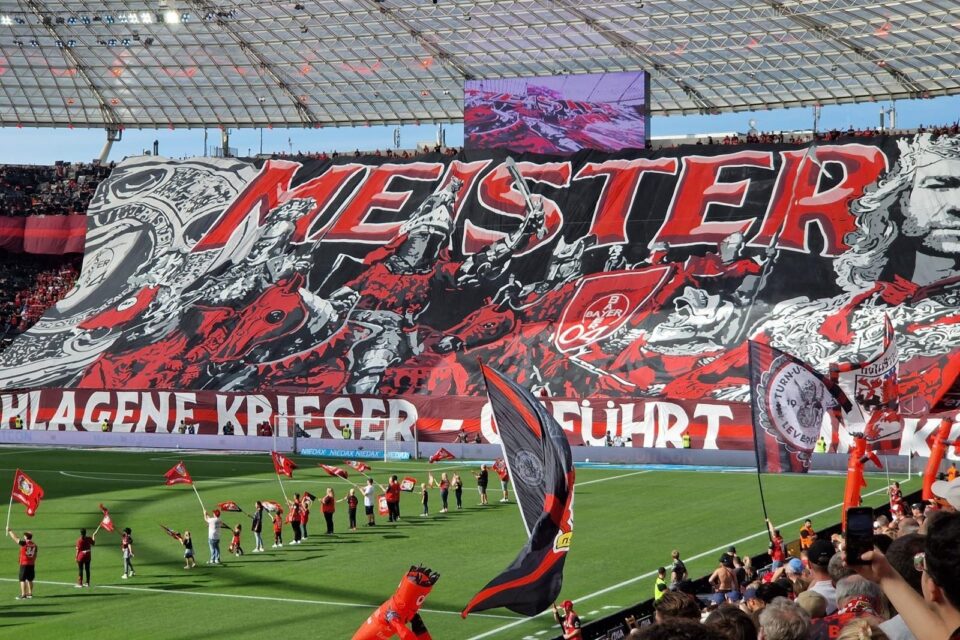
(28, 560)
(568, 620)
(213, 535)
(935, 613)
(948, 494)
(818, 557)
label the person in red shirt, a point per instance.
(776, 548)
(304, 516)
(328, 505)
(352, 503)
(277, 530)
(28, 559)
(393, 499)
(294, 518)
(84, 553)
(569, 621)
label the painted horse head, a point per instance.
(481, 327)
(279, 311)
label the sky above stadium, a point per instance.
(45, 146)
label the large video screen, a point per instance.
(558, 114)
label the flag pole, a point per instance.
(284, 491)
(198, 496)
(9, 509)
(97, 530)
(756, 444)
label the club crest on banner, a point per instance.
(25, 486)
(528, 468)
(602, 304)
(792, 402)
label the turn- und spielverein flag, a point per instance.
(357, 466)
(26, 491)
(334, 471)
(230, 505)
(874, 387)
(283, 465)
(173, 534)
(441, 454)
(272, 506)
(106, 522)
(178, 474)
(539, 461)
(789, 399)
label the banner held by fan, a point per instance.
(25, 491)
(283, 466)
(178, 474)
(538, 458)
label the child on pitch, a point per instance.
(352, 503)
(235, 547)
(188, 559)
(424, 499)
(126, 550)
(277, 530)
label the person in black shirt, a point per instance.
(257, 527)
(482, 478)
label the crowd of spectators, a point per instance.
(61, 189)
(29, 285)
(780, 137)
(397, 154)
(907, 588)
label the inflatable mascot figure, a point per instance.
(392, 616)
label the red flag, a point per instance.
(442, 454)
(359, 467)
(309, 497)
(178, 475)
(501, 468)
(282, 464)
(173, 534)
(26, 492)
(271, 506)
(106, 522)
(334, 471)
(230, 505)
(408, 484)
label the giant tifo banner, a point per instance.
(615, 286)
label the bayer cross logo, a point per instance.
(528, 469)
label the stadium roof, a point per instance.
(181, 63)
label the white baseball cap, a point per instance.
(949, 491)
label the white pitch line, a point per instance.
(650, 574)
(624, 475)
(238, 596)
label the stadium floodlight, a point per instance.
(6, 21)
(171, 17)
(146, 18)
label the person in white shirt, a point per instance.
(370, 500)
(818, 555)
(213, 535)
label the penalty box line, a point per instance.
(240, 596)
(650, 574)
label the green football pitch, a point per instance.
(626, 521)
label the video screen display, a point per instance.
(558, 114)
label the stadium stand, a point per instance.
(63, 189)
(29, 285)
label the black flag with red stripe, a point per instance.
(541, 466)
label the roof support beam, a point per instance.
(306, 115)
(631, 49)
(828, 33)
(108, 115)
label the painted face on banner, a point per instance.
(932, 209)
